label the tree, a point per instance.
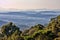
(10, 30)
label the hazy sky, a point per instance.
(29, 4)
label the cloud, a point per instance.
(50, 13)
(20, 17)
(26, 19)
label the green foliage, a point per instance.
(38, 32)
(11, 31)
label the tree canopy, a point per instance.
(37, 32)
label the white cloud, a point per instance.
(20, 17)
(50, 13)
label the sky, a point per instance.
(29, 4)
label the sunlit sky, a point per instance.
(29, 4)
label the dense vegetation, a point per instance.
(38, 32)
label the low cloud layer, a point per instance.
(27, 18)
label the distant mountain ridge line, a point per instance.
(17, 10)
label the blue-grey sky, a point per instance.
(29, 4)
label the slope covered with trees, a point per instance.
(38, 32)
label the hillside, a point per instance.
(37, 32)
